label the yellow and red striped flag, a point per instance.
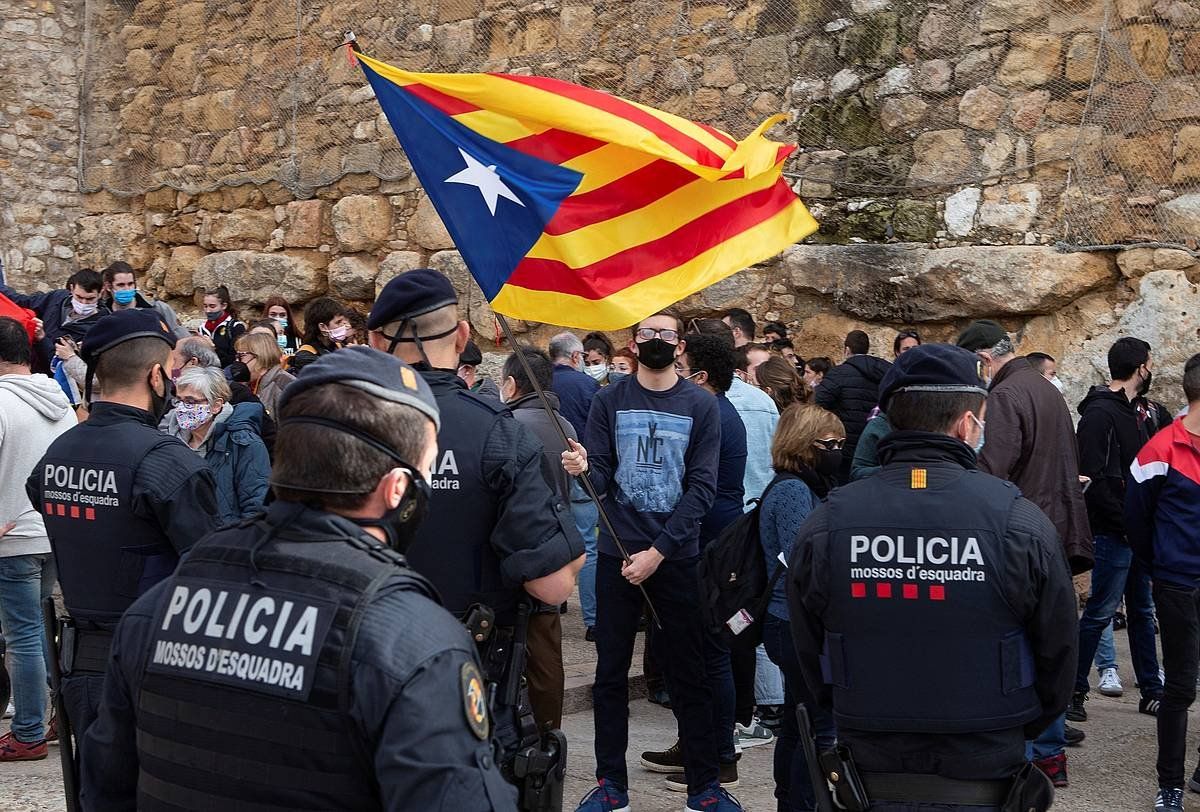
(574, 207)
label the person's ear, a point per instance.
(632, 346)
(396, 484)
(963, 426)
(680, 348)
(461, 337)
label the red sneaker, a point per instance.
(52, 730)
(1055, 768)
(13, 750)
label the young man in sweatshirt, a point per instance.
(1162, 522)
(652, 447)
(33, 412)
(1116, 421)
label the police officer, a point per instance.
(940, 602)
(294, 661)
(496, 531)
(121, 500)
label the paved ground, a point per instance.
(1112, 772)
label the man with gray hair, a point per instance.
(198, 351)
(575, 390)
(1030, 441)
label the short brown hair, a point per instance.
(265, 349)
(130, 362)
(799, 427)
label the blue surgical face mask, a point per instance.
(282, 322)
(614, 376)
(124, 297)
(978, 447)
(281, 340)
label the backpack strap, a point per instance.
(780, 566)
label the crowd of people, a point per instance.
(683, 430)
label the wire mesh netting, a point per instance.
(993, 120)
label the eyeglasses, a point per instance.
(830, 444)
(243, 355)
(682, 370)
(648, 333)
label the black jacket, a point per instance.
(851, 391)
(1112, 430)
(1032, 572)
(528, 409)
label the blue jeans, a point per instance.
(793, 787)
(675, 591)
(768, 680)
(1052, 742)
(586, 515)
(21, 619)
(1117, 573)
(1106, 651)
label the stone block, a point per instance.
(940, 33)
(180, 230)
(1032, 61)
(1186, 155)
(1181, 215)
(902, 112)
(1082, 54)
(980, 108)
(960, 209)
(766, 62)
(426, 229)
(160, 199)
(454, 10)
(1028, 108)
(362, 222)
(577, 28)
(1010, 208)
(934, 75)
(105, 238)
(1150, 47)
(353, 277)
(940, 156)
(182, 264)
(252, 277)
(239, 230)
(1010, 15)
(719, 71)
(393, 265)
(1177, 98)
(1142, 157)
(305, 223)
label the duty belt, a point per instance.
(85, 651)
(934, 789)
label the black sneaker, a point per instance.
(664, 761)
(677, 782)
(1076, 712)
(1168, 800)
(771, 717)
(1073, 735)
(1194, 781)
(589, 635)
(1149, 705)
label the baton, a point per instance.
(66, 749)
(808, 739)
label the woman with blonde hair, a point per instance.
(806, 454)
(779, 379)
(263, 357)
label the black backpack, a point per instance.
(734, 585)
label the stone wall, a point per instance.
(937, 139)
(39, 138)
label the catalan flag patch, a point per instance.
(919, 479)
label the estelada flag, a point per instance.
(574, 207)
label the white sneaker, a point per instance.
(8, 713)
(1110, 683)
(752, 735)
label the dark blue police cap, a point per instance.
(376, 373)
(411, 294)
(932, 368)
(121, 326)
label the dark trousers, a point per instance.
(1179, 628)
(81, 695)
(544, 669)
(674, 591)
(793, 787)
(716, 657)
(889, 806)
(1118, 572)
(744, 663)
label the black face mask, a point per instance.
(400, 524)
(160, 404)
(656, 354)
(828, 462)
(1144, 386)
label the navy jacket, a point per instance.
(52, 308)
(238, 459)
(851, 391)
(575, 392)
(1162, 506)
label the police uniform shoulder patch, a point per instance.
(919, 479)
(474, 701)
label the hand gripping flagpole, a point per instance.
(562, 435)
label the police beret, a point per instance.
(411, 294)
(932, 368)
(981, 335)
(121, 326)
(376, 373)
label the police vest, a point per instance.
(919, 636)
(453, 547)
(244, 703)
(107, 555)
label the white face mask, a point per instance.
(83, 308)
(595, 371)
(1058, 384)
(339, 333)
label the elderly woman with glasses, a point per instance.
(227, 435)
(262, 356)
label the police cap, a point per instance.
(932, 368)
(409, 295)
(121, 326)
(379, 374)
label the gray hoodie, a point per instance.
(33, 412)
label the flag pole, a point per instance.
(562, 435)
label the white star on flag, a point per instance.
(485, 179)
